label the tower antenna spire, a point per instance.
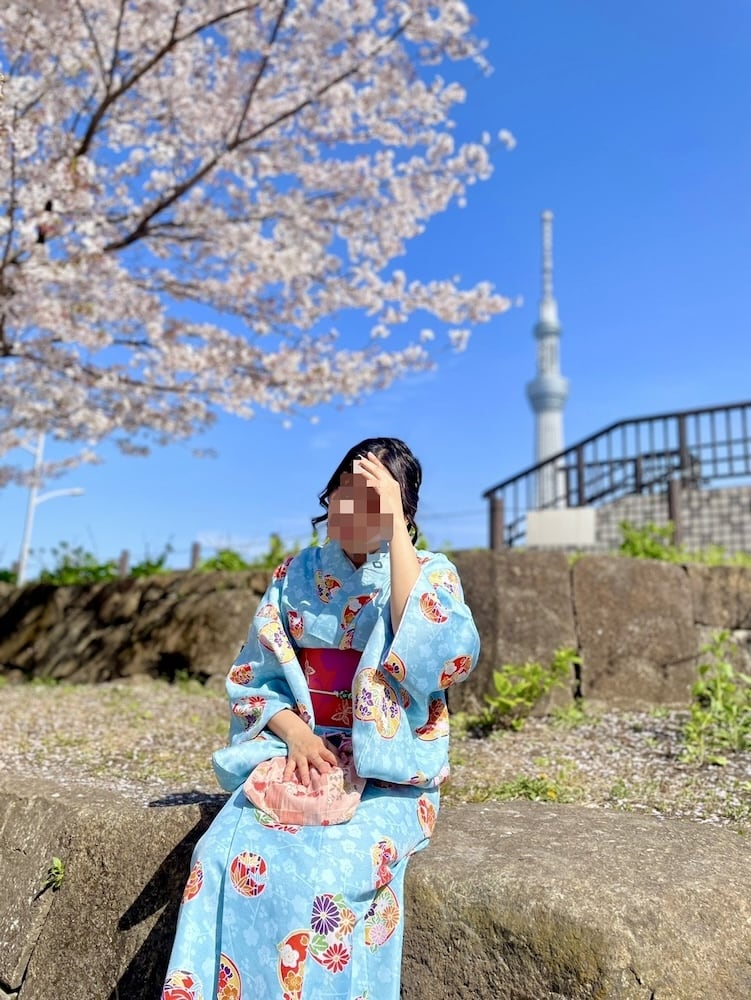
(548, 391)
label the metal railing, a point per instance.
(693, 448)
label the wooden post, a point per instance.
(674, 509)
(496, 523)
(195, 555)
(123, 566)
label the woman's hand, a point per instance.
(378, 477)
(304, 748)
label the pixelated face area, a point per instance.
(355, 519)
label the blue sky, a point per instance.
(633, 126)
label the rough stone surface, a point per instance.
(721, 596)
(531, 902)
(638, 624)
(158, 626)
(513, 901)
(527, 615)
(636, 630)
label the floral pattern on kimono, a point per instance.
(303, 912)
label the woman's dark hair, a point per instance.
(400, 462)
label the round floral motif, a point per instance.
(326, 585)
(194, 883)
(248, 874)
(229, 984)
(382, 854)
(268, 611)
(249, 709)
(447, 579)
(182, 985)
(375, 701)
(325, 917)
(293, 951)
(241, 673)
(432, 609)
(332, 923)
(281, 571)
(454, 670)
(382, 918)
(353, 607)
(347, 639)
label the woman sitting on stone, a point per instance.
(338, 745)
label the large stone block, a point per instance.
(512, 901)
(522, 901)
(721, 595)
(636, 630)
(526, 615)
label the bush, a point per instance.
(519, 687)
(77, 566)
(656, 541)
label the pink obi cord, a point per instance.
(329, 673)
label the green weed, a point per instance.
(720, 720)
(519, 687)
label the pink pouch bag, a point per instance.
(331, 797)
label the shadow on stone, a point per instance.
(145, 972)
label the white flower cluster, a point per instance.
(196, 189)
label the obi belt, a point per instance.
(329, 673)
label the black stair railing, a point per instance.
(695, 448)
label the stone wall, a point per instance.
(638, 625)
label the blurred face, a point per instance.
(355, 519)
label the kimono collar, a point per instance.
(374, 561)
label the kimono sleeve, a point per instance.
(436, 644)
(259, 685)
(400, 727)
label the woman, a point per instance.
(306, 912)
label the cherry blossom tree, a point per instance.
(198, 193)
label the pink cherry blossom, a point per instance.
(195, 192)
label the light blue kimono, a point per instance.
(315, 912)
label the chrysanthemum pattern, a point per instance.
(332, 922)
(382, 918)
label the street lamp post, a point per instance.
(35, 498)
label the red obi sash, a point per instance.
(329, 673)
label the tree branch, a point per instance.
(114, 95)
(261, 69)
(143, 228)
(94, 41)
